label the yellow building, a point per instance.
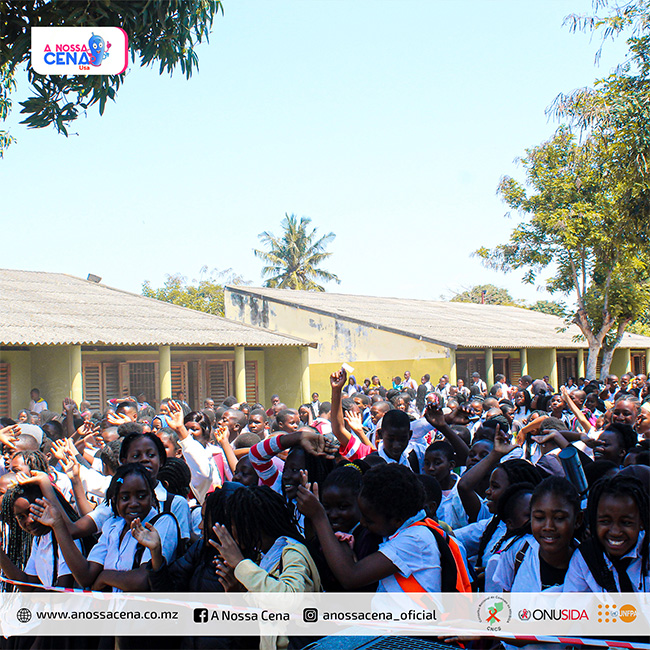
(72, 337)
(386, 336)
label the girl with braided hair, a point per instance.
(46, 565)
(615, 557)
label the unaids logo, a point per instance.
(79, 50)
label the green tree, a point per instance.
(163, 33)
(576, 221)
(549, 307)
(204, 294)
(292, 260)
(493, 295)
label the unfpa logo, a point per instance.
(610, 614)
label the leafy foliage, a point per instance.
(163, 32)
(292, 260)
(204, 294)
(493, 295)
(549, 307)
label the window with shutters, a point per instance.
(5, 390)
(93, 389)
(515, 370)
(251, 382)
(143, 379)
(567, 366)
(111, 372)
(502, 365)
(467, 365)
(219, 379)
(179, 379)
(638, 363)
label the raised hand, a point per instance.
(434, 416)
(146, 534)
(9, 435)
(353, 420)
(45, 513)
(175, 415)
(317, 444)
(69, 405)
(502, 444)
(115, 420)
(462, 414)
(226, 576)
(221, 434)
(338, 379)
(226, 546)
(308, 502)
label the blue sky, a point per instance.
(388, 123)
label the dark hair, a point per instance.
(132, 437)
(118, 479)
(325, 407)
(245, 440)
(393, 490)
(240, 418)
(258, 511)
(260, 412)
(109, 454)
(621, 486)
(396, 419)
(552, 423)
(35, 460)
(229, 401)
(521, 471)
(176, 477)
(625, 435)
(56, 427)
(443, 447)
(432, 491)
(128, 428)
(510, 498)
(215, 513)
(126, 404)
(202, 420)
(559, 486)
(596, 470)
(317, 467)
(282, 415)
(347, 477)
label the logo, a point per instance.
(494, 611)
(310, 615)
(553, 615)
(24, 615)
(79, 50)
(200, 615)
(627, 613)
(610, 614)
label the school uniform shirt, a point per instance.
(203, 467)
(493, 562)
(528, 578)
(117, 555)
(470, 536)
(180, 509)
(450, 509)
(579, 577)
(413, 551)
(41, 560)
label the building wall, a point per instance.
(21, 378)
(370, 351)
(620, 362)
(282, 375)
(50, 373)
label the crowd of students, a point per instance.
(399, 490)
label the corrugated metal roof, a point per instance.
(452, 324)
(38, 308)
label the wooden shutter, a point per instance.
(251, 382)
(5, 390)
(515, 370)
(92, 376)
(217, 381)
(111, 381)
(179, 378)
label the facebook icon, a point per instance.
(200, 615)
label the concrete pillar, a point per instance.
(627, 359)
(489, 368)
(165, 371)
(523, 360)
(647, 362)
(76, 375)
(452, 366)
(305, 386)
(581, 363)
(553, 370)
(240, 373)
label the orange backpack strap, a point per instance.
(463, 585)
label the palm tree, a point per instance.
(293, 259)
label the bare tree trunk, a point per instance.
(592, 360)
(595, 341)
(610, 347)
